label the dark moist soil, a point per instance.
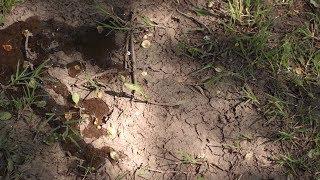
(75, 68)
(52, 36)
(99, 112)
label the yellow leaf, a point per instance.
(146, 44)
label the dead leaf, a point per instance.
(315, 3)
(135, 87)
(75, 98)
(95, 122)
(248, 156)
(100, 29)
(114, 155)
(99, 94)
(299, 70)
(77, 67)
(7, 47)
(210, 4)
(146, 44)
(41, 104)
(218, 69)
(111, 132)
(68, 116)
(144, 73)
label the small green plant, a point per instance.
(252, 47)
(148, 22)
(292, 163)
(115, 22)
(9, 156)
(7, 5)
(5, 8)
(315, 152)
(65, 132)
(87, 170)
(191, 51)
(284, 136)
(276, 108)
(249, 94)
(246, 12)
(187, 158)
(27, 75)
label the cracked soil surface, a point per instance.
(187, 133)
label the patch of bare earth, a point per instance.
(184, 134)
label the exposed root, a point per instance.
(166, 172)
(29, 54)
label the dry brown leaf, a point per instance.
(146, 44)
(77, 67)
(218, 69)
(114, 155)
(100, 29)
(299, 70)
(99, 94)
(7, 47)
(68, 116)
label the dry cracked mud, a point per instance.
(187, 133)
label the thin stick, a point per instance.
(160, 171)
(133, 62)
(127, 52)
(158, 103)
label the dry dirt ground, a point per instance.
(183, 134)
